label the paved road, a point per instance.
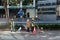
(46, 35)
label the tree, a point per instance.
(26, 2)
(5, 7)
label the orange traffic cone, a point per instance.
(34, 31)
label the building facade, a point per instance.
(13, 7)
(47, 9)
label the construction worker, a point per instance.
(12, 25)
(28, 25)
(32, 24)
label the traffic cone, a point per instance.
(34, 31)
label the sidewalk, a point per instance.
(9, 32)
(46, 35)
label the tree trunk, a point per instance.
(5, 7)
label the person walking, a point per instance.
(28, 15)
(28, 25)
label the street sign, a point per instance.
(21, 13)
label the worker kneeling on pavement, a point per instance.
(28, 25)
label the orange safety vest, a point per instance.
(28, 24)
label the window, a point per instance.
(49, 13)
(48, 4)
(1, 2)
(46, 13)
(38, 9)
(44, 9)
(53, 3)
(58, 2)
(41, 5)
(2, 13)
(41, 0)
(13, 12)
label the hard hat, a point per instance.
(28, 20)
(32, 18)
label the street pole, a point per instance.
(21, 4)
(21, 8)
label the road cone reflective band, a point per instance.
(34, 31)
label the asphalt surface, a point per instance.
(41, 35)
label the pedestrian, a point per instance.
(12, 25)
(28, 25)
(32, 25)
(28, 15)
